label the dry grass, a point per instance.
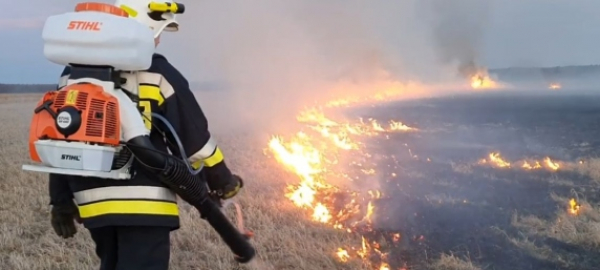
(284, 238)
(589, 167)
(582, 228)
(566, 236)
(462, 168)
(452, 262)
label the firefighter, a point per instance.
(130, 221)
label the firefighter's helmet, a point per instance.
(158, 15)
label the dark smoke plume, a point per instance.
(458, 30)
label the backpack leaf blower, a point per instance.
(91, 128)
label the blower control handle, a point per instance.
(46, 107)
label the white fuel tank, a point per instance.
(95, 38)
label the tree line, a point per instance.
(548, 73)
(25, 88)
(519, 73)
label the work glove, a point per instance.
(63, 217)
(229, 190)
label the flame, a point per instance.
(384, 266)
(574, 207)
(554, 86)
(399, 126)
(551, 164)
(481, 80)
(343, 254)
(495, 160)
(528, 166)
(314, 156)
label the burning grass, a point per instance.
(496, 160)
(315, 158)
(479, 77)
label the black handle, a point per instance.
(46, 107)
(236, 241)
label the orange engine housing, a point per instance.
(89, 114)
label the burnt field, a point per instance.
(443, 199)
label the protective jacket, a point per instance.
(144, 200)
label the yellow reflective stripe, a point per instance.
(150, 92)
(128, 207)
(209, 155)
(132, 12)
(197, 164)
(215, 159)
(147, 112)
(233, 192)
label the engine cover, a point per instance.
(78, 113)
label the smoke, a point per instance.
(458, 32)
(272, 58)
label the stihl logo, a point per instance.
(85, 26)
(70, 157)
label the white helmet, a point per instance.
(158, 15)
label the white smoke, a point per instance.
(277, 56)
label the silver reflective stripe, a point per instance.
(144, 77)
(62, 82)
(204, 153)
(166, 89)
(124, 192)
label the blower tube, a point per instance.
(175, 173)
(238, 243)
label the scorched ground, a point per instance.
(498, 181)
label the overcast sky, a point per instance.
(254, 42)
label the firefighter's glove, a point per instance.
(231, 189)
(63, 218)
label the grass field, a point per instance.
(453, 211)
(284, 238)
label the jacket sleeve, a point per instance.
(60, 192)
(58, 185)
(182, 110)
